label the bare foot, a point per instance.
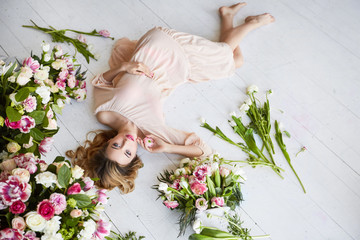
(232, 10)
(260, 20)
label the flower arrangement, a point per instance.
(260, 124)
(199, 185)
(50, 201)
(32, 94)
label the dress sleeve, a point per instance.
(100, 82)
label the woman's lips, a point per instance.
(130, 137)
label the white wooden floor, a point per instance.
(310, 58)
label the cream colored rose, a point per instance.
(46, 178)
(22, 173)
(77, 172)
(75, 213)
(18, 223)
(41, 75)
(13, 147)
(59, 63)
(35, 221)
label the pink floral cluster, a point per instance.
(24, 124)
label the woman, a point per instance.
(128, 97)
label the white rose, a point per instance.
(56, 236)
(12, 98)
(44, 93)
(52, 225)
(41, 75)
(197, 226)
(52, 125)
(184, 161)
(35, 221)
(77, 172)
(89, 229)
(45, 46)
(22, 79)
(46, 178)
(60, 103)
(251, 89)
(22, 173)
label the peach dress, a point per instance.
(174, 58)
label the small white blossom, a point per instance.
(47, 57)
(244, 107)
(202, 120)
(251, 89)
(45, 46)
(197, 226)
(233, 113)
(184, 161)
(248, 101)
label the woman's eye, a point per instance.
(128, 153)
(116, 145)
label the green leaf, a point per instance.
(22, 138)
(37, 134)
(22, 94)
(287, 134)
(72, 222)
(64, 176)
(82, 200)
(56, 109)
(59, 159)
(38, 116)
(12, 114)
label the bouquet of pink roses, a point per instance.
(199, 185)
(30, 95)
(49, 201)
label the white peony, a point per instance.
(184, 161)
(45, 46)
(46, 178)
(197, 226)
(89, 229)
(77, 172)
(44, 93)
(52, 225)
(41, 75)
(35, 221)
(251, 89)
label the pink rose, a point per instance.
(11, 234)
(46, 209)
(58, 201)
(104, 33)
(74, 189)
(201, 172)
(13, 189)
(102, 197)
(31, 63)
(45, 145)
(102, 229)
(81, 38)
(27, 123)
(17, 207)
(75, 213)
(198, 188)
(18, 223)
(12, 125)
(71, 81)
(217, 201)
(63, 74)
(89, 184)
(171, 204)
(201, 204)
(29, 104)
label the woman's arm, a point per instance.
(130, 67)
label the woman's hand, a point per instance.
(157, 146)
(137, 68)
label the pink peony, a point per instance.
(13, 189)
(198, 188)
(81, 38)
(71, 81)
(31, 63)
(60, 84)
(102, 197)
(29, 104)
(171, 204)
(102, 229)
(201, 204)
(58, 200)
(26, 161)
(217, 201)
(11, 234)
(18, 223)
(27, 123)
(201, 172)
(74, 189)
(17, 207)
(46, 209)
(89, 184)
(12, 125)
(104, 33)
(45, 145)
(63, 74)
(176, 184)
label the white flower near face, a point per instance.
(77, 172)
(89, 229)
(41, 75)
(52, 226)
(197, 226)
(251, 89)
(35, 221)
(45, 46)
(184, 161)
(232, 123)
(44, 93)
(46, 178)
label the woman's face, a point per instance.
(122, 148)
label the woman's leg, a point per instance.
(233, 36)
